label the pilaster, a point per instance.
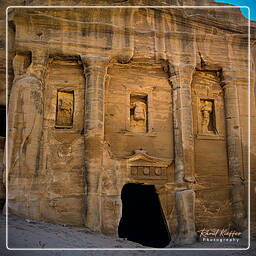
(95, 70)
(234, 149)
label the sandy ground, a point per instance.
(30, 234)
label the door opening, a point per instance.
(142, 219)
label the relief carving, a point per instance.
(158, 171)
(146, 170)
(208, 106)
(143, 166)
(138, 114)
(64, 151)
(108, 182)
(207, 117)
(65, 108)
(152, 171)
(20, 64)
(111, 212)
(139, 110)
(26, 118)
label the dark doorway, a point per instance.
(142, 219)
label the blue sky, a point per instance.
(250, 3)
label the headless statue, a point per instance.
(139, 116)
(206, 110)
(25, 114)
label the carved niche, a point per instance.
(208, 105)
(65, 109)
(141, 166)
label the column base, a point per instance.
(185, 206)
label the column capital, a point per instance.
(181, 75)
(95, 63)
(187, 68)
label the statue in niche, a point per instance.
(26, 117)
(64, 116)
(138, 114)
(206, 110)
(139, 110)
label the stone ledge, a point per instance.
(210, 137)
(148, 134)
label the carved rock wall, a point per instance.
(211, 165)
(62, 177)
(138, 79)
(123, 79)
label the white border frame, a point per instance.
(249, 131)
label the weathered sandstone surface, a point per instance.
(103, 97)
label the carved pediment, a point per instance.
(140, 157)
(143, 166)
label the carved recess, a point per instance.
(208, 105)
(139, 110)
(65, 109)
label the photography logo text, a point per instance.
(218, 235)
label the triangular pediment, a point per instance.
(140, 157)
